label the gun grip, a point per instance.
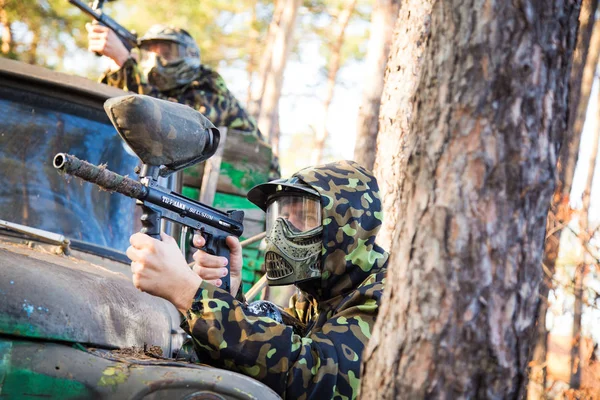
(150, 222)
(218, 247)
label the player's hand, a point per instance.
(213, 268)
(160, 269)
(104, 41)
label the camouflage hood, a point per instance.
(352, 216)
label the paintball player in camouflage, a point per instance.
(169, 68)
(321, 227)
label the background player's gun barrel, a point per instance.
(128, 38)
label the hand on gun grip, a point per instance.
(214, 268)
(102, 40)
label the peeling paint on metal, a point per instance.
(114, 375)
(28, 308)
(5, 356)
(26, 384)
(12, 327)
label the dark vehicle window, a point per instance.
(33, 128)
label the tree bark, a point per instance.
(395, 116)
(585, 60)
(279, 41)
(333, 67)
(484, 120)
(385, 14)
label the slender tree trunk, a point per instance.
(333, 67)
(580, 103)
(264, 103)
(252, 52)
(576, 361)
(265, 62)
(585, 59)
(580, 271)
(7, 41)
(587, 17)
(485, 117)
(32, 52)
(275, 129)
(385, 14)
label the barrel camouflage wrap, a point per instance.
(339, 310)
(207, 93)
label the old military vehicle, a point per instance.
(71, 323)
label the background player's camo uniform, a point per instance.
(321, 360)
(207, 94)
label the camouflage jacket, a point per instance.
(207, 93)
(339, 310)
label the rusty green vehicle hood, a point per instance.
(73, 299)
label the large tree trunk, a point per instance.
(385, 14)
(585, 60)
(333, 66)
(264, 105)
(485, 118)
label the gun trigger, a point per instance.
(209, 246)
(198, 232)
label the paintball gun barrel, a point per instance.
(128, 38)
(167, 137)
(213, 224)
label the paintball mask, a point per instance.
(294, 230)
(170, 58)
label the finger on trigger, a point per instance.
(199, 240)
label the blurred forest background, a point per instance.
(317, 55)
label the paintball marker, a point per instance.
(167, 137)
(128, 38)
